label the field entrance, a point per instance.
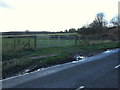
(14, 44)
(54, 41)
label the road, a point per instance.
(99, 71)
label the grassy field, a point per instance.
(54, 43)
(16, 44)
(41, 34)
(21, 61)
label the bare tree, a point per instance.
(99, 18)
(98, 26)
(115, 21)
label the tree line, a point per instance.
(97, 26)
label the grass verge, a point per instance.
(18, 63)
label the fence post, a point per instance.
(58, 40)
(14, 43)
(48, 41)
(79, 39)
(29, 42)
(66, 39)
(35, 41)
(75, 40)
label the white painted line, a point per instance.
(117, 66)
(81, 87)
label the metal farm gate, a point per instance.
(44, 41)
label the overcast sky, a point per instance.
(52, 15)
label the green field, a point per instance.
(13, 46)
(54, 43)
(10, 45)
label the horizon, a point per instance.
(52, 16)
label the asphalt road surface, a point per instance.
(100, 71)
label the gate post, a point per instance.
(35, 41)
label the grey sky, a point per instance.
(4, 5)
(52, 15)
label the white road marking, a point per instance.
(81, 87)
(117, 66)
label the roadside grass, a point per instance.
(21, 61)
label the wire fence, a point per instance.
(17, 43)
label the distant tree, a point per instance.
(72, 30)
(66, 30)
(99, 25)
(26, 31)
(99, 19)
(115, 21)
(61, 32)
(83, 30)
(96, 27)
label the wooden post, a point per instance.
(75, 40)
(28, 42)
(14, 42)
(35, 41)
(58, 40)
(79, 39)
(48, 41)
(66, 39)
